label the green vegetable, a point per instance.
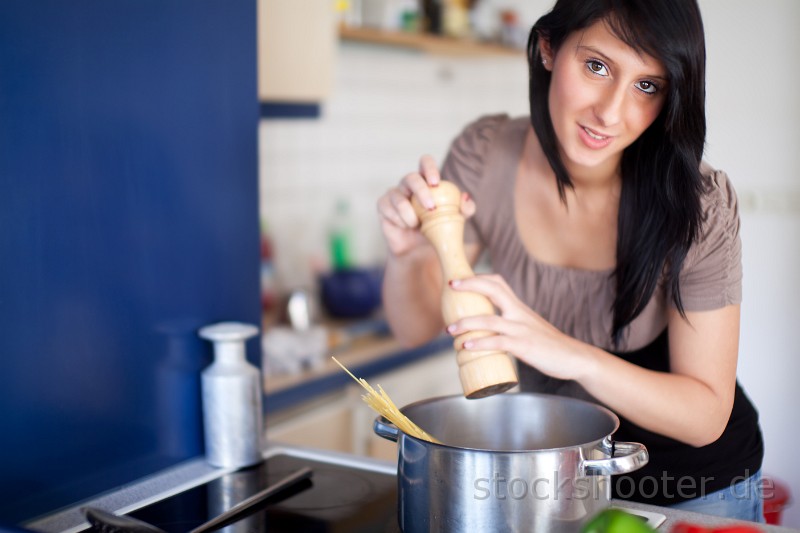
(616, 521)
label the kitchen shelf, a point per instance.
(425, 43)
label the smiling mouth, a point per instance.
(594, 135)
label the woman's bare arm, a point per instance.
(412, 284)
(691, 403)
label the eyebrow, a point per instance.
(610, 61)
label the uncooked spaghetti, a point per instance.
(383, 405)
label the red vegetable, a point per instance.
(683, 527)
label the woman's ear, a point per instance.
(546, 52)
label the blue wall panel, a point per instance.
(128, 218)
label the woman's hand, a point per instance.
(702, 360)
(399, 222)
(520, 331)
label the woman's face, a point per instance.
(603, 96)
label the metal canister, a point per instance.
(232, 413)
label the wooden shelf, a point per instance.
(429, 44)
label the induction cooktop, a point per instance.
(335, 498)
(345, 494)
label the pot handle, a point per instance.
(384, 428)
(625, 457)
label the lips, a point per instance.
(594, 139)
(593, 135)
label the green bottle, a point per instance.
(340, 237)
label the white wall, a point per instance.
(753, 115)
(390, 106)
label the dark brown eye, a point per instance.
(647, 87)
(596, 67)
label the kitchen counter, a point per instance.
(196, 471)
(366, 356)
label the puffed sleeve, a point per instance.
(711, 276)
(465, 161)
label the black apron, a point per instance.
(676, 471)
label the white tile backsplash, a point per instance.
(388, 107)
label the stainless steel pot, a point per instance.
(511, 462)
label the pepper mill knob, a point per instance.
(482, 372)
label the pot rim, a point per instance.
(602, 409)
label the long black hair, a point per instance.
(660, 211)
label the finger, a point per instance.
(509, 331)
(500, 343)
(494, 288)
(401, 206)
(419, 188)
(403, 186)
(494, 323)
(416, 185)
(468, 206)
(486, 284)
(429, 170)
(388, 212)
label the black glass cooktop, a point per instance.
(335, 499)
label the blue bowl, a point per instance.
(352, 292)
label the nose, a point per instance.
(610, 105)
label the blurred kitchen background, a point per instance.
(386, 100)
(145, 146)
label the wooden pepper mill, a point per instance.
(482, 372)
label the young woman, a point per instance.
(615, 249)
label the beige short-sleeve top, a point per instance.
(484, 159)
